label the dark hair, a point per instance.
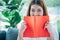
(40, 3)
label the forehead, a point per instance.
(35, 6)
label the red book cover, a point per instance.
(35, 26)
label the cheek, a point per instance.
(31, 13)
(40, 13)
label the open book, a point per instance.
(35, 26)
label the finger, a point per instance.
(46, 25)
(23, 23)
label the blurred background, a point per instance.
(13, 11)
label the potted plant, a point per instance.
(13, 8)
(13, 17)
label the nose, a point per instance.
(36, 14)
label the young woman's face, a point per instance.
(36, 10)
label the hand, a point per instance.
(22, 27)
(46, 25)
(49, 28)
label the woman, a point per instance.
(37, 8)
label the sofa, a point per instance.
(2, 35)
(10, 34)
(59, 36)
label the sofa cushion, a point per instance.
(2, 35)
(59, 35)
(12, 34)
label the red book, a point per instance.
(35, 26)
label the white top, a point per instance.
(35, 38)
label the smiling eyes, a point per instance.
(38, 10)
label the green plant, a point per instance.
(13, 8)
(13, 17)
